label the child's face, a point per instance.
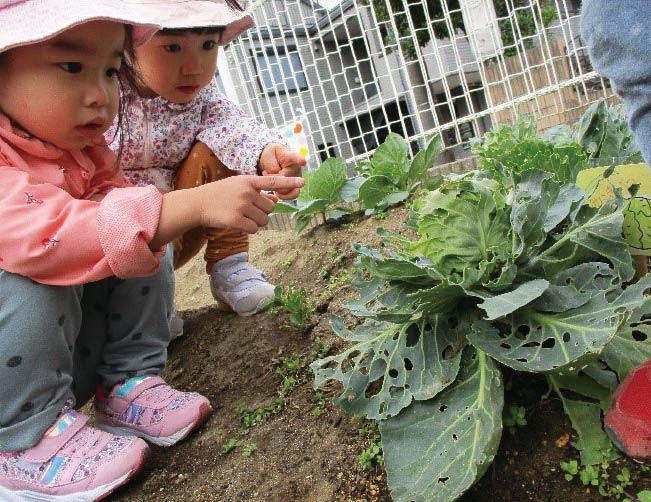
(65, 90)
(177, 67)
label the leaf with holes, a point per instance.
(391, 364)
(558, 341)
(436, 449)
(589, 235)
(631, 344)
(501, 305)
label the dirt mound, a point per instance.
(287, 442)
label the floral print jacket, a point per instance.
(159, 135)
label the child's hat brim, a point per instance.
(179, 14)
(27, 22)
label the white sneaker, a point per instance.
(176, 325)
(240, 286)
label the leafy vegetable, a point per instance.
(389, 178)
(524, 274)
(512, 150)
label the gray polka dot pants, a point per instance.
(59, 342)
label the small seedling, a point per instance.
(320, 349)
(293, 299)
(288, 385)
(286, 264)
(599, 476)
(371, 456)
(515, 417)
(248, 449)
(319, 409)
(570, 469)
(643, 496)
(230, 445)
(292, 364)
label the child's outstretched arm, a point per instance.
(237, 202)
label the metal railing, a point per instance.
(355, 70)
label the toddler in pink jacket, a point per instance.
(86, 287)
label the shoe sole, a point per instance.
(99, 493)
(205, 411)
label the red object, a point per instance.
(628, 422)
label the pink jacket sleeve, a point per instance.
(54, 238)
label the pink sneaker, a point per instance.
(147, 407)
(72, 461)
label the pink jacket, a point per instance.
(52, 233)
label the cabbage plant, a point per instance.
(516, 271)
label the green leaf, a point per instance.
(426, 159)
(593, 444)
(506, 303)
(539, 205)
(581, 384)
(558, 341)
(461, 228)
(314, 206)
(592, 233)
(391, 364)
(435, 450)
(574, 287)
(396, 268)
(374, 189)
(644, 496)
(350, 191)
(325, 182)
(393, 198)
(631, 345)
(283, 207)
(391, 159)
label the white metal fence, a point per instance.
(355, 70)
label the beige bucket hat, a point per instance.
(175, 14)
(24, 22)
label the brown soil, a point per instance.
(300, 456)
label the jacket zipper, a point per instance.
(147, 158)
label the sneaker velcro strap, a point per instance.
(244, 274)
(49, 445)
(120, 404)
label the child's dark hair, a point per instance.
(128, 79)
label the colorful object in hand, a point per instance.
(295, 136)
(637, 214)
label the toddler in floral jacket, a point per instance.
(182, 132)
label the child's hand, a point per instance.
(240, 203)
(276, 159)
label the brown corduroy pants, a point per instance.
(201, 166)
